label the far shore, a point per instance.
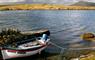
(44, 7)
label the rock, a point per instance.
(88, 36)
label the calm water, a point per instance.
(66, 26)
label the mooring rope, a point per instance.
(62, 57)
(56, 45)
(63, 48)
(61, 52)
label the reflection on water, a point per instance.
(66, 26)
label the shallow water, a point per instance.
(65, 26)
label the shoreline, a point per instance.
(68, 55)
(44, 7)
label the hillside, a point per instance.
(44, 7)
(84, 3)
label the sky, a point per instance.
(42, 1)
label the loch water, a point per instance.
(65, 26)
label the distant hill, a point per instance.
(83, 3)
(44, 7)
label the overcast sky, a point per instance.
(42, 1)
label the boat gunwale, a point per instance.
(22, 50)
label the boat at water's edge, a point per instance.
(28, 48)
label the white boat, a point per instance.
(27, 48)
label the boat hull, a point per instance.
(29, 43)
(9, 55)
